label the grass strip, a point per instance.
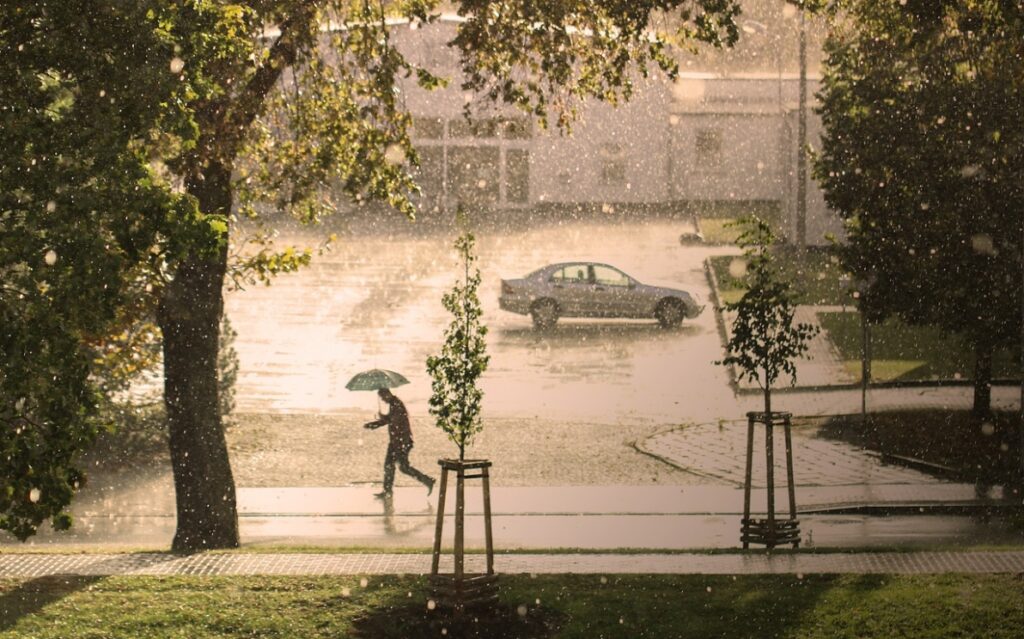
(903, 353)
(565, 606)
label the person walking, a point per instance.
(399, 444)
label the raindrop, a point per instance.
(621, 621)
(51, 206)
(925, 206)
(177, 64)
(345, 592)
(982, 244)
(521, 610)
(444, 631)
(673, 120)
(20, 404)
(363, 582)
(50, 258)
(708, 588)
(482, 184)
(970, 170)
(34, 495)
(737, 268)
(537, 601)
(431, 604)
(604, 580)
(988, 429)
(394, 154)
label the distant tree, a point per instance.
(283, 105)
(764, 341)
(921, 103)
(456, 398)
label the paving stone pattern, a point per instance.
(719, 451)
(43, 565)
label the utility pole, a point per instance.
(801, 152)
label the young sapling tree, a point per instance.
(455, 402)
(765, 341)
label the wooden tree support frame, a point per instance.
(771, 531)
(459, 590)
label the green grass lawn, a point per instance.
(901, 352)
(576, 606)
(717, 230)
(815, 274)
(984, 451)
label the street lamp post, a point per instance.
(801, 152)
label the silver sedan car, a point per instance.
(591, 289)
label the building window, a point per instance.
(516, 129)
(463, 128)
(517, 176)
(613, 164)
(473, 175)
(428, 128)
(709, 146)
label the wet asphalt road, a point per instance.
(375, 301)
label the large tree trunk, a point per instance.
(983, 379)
(189, 316)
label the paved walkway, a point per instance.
(586, 517)
(37, 565)
(719, 451)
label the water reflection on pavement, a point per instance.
(375, 301)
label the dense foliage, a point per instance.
(921, 103)
(80, 209)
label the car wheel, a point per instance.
(544, 313)
(670, 313)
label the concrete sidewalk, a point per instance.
(38, 565)
(591, 517)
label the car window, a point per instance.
(608, 276)
(575, 273)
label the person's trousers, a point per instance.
(399, 455)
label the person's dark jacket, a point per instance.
(397, 421)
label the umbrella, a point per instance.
(375, 379)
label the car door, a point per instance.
(613, 294)
(570, 286)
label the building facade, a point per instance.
(704, 139)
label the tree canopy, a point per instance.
(153, 124)
(80, 209)
(921, 103)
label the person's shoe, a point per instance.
(384, 494)
(430, 486)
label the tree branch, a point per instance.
(249, 103)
